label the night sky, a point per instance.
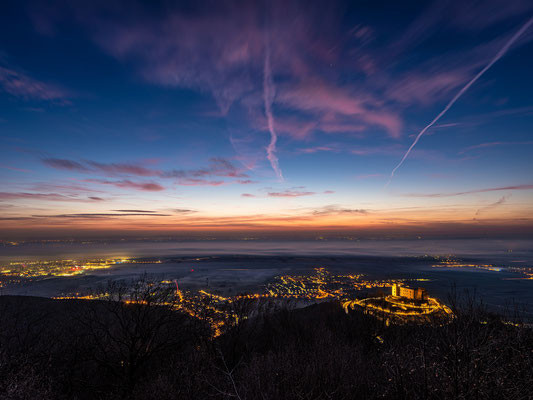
(206, 116)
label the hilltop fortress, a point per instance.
(409, 293)
(404, 304)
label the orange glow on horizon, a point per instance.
(407, 219)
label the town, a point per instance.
(395, 300)
(291, 291)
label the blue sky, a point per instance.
(264, 115)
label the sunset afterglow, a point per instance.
(149, 120)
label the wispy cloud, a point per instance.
(21, 85)
(316, 149)
(498, 55)
(426, 88)
(268, 96)
(338, 210)
(144, 186)
(494, 189)
(209, 52)
(110, 169)
(45, 197)
(183, 211)
(64, 188)
(327, 99)
(70, 165)
(493, 144)
(122, 169)
(499, 202)
(394, 149)
(293, 192)
(200, 182)
(369, 176)
(218, 167)
(15, 168)
(15, 218)
(135, 211)
(100, 215)
(246, 181)
(290, 193)
(221, 50)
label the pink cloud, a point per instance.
(127, 169)
(311, 150)
(199, 182)
(94, 166)
(221, 52)
(60, 163)
(294, 128)
(290, 193)
(218, 167)
(144, 186)
(149, 186)
(302, 129)
(326, 99)
(209, 52)
(428, 87)
(15, 168)
(339, 127)
(21, 85)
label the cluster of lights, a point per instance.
(55, 268)
(218, 310)
(398, 309)
(323, 285)
(16, 272)
(452, 263)
(526, 272)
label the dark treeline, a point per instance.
(75, 349)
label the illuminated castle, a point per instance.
(409, 293)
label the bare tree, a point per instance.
(133, 325)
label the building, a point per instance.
(409, 293)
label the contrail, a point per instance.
(268, 95)
(501, 201)
(499, 55)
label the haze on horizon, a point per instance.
(152, 118)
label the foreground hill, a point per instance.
(75, 349)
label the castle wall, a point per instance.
(409, 293)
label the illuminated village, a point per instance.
(352, 290)
(406, 302)
(57, 268)
(451, 262)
